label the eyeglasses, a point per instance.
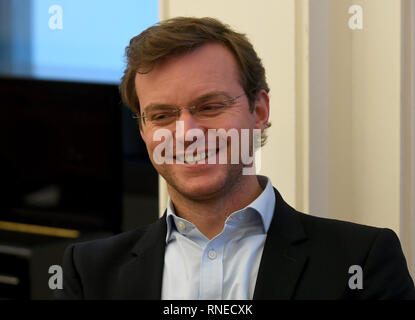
(209, 109)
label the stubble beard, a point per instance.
(225, 184)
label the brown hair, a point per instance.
(183, 34)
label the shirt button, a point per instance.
(181, 225)
(212, 254)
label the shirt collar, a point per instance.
(264, 204)
(171, 215)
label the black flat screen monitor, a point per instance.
(61, 154)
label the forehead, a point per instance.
(212, 67)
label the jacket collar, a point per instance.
(283, 259)
(264, 205)
(141, 276)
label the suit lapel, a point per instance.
(284, 257)
(141, 276)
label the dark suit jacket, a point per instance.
(304, 257)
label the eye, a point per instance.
(159, 116)
(162, 115)
(211, 107)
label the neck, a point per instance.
(209, 215)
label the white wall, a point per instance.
(342, 141)
(361, 143)
(270, 25)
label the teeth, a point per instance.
(180, 158)
(191, 159)
(211, 153)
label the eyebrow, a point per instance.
(196, 101)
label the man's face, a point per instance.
(181, 80)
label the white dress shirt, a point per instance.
(225, 267)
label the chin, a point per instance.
(199, 188)
(204, 186)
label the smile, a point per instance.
(193, 158)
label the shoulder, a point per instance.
(288, 221)
(331, 238)
(93, 268)
(333, 246)
(113, 248)
(125, 240)
(377, 251)
(325, 234)
(318, 226)
(350, 237)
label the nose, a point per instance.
(189, 127)
(189, 120)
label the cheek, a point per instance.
(242, 117)
(159, 147)
(152, 147)
(241, 121)
(150, 144)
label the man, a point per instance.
(225, 234)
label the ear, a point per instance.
(261, 110)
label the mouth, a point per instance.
(196, 157)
